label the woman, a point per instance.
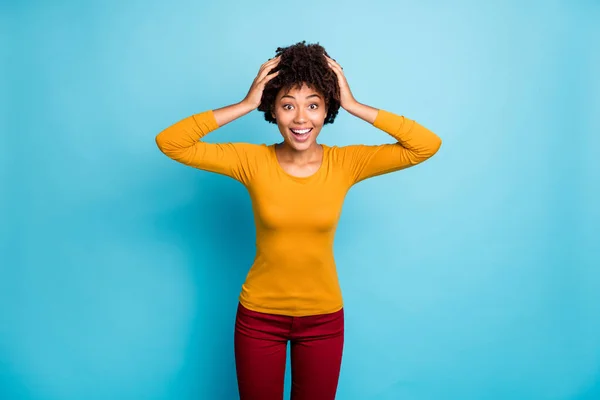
(297, 188)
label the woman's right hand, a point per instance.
(256, 90)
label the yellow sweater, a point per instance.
(294, 271)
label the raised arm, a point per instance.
(182, 143)
(414, 143)
(182, 140)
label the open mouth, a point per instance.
(301, 134)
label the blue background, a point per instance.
(472, 276)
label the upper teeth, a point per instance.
(301, 131)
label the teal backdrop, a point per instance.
(475, 275)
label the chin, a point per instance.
(300, 145)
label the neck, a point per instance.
(289, 154)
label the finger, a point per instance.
(269, 77)
(336, 68)
(262, 80)
(333, 62)
(271, 61)
(267, 67)
(265, 72)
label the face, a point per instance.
(300, 114)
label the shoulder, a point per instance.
(345, 154)
(249, 150)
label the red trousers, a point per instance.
(261, 341)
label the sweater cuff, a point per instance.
(206, 120)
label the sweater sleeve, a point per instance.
(182, 143)
(414, 144)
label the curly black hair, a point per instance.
(302, 63)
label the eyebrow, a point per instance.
(312, 95)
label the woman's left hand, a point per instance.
(347, 100)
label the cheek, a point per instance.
(283, 123)
(319, 119)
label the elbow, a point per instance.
(432, 148)
(160, 142)
(170, 147)
(163, 143)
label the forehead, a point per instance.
(298, 92)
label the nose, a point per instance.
(300, 116)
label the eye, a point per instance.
(286, 105)
(316, 106)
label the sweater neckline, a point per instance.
(299, 178)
